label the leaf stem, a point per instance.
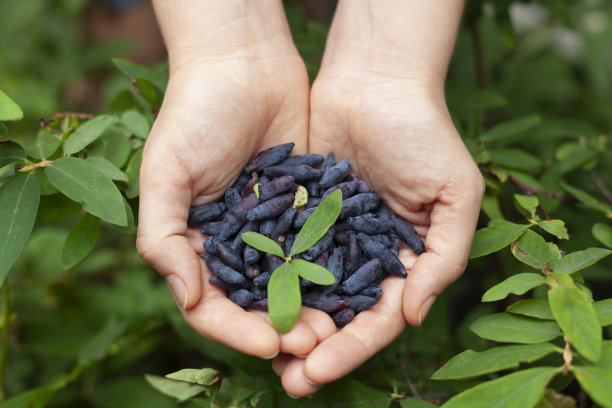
(6, 311)
(567, 356)
(34, 166)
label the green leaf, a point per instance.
(603, 308)
(531, 249)
(109, 169)
(521, 389)
(575, 315)
(576, 261)
(55, 207)
(98, 346)
(515, 159)
(136, 123)
(84, 183)
(33, 398)
(471, 364)
(588, 200)
(555, 227)
(526, 204)
(284, 299)
(133, 70)
(313, 272)
(19, 198)
(318, 223)
(263, 243)
(416, 403)
(354, 394)
(509, 128)
(506, 327)
(476, 99)
(496, 236)
(80, 241)
(147, 90)
(517, 284)
(202, 376)
(9, 110)
(537, 308)
(180, 390)
(602, 233)
(11, 152)
(3, 131)
(130, 228)
(596, 380)
(554, 399)
(87, 133)
(46, 144)
(114, 144)
(133, 172)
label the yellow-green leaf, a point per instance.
(517, 284)
(509, 328)
(284, 298)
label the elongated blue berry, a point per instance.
(343, 317)
(205, 212)
(320, 246)
(241, 297)
(361, 278)
(269, 157)
(348, 188)
(227, 256)
(369, 224)
(335, 174)
(406, 232)
(335, 266)
(373, 249)
(325, 302)
(275, 187)
(297, 171)
(359, 303)
(329, 162)
(309, 159)
(359, 204)
(238, 244)
(223, 271)
(271, 208)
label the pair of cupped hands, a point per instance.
(397, 134)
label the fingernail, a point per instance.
(425, 308)
(178, 290)
(271, 356)
(311, 383)
(292, 396)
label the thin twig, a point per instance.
(534, 190)
(600, 185)
(411, 385)
(77, 115)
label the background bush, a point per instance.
(86, 323)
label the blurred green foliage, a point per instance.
(529, 89)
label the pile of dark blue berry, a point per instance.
(360, 250)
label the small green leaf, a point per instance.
(520, 389)
(509, 328)
(472, 364)
(133, 173)
(32, 398)
(201, 376)
(80, 241)
(313, 272)
(588, 200)
(603, 308)
(555, 227)
(9, 110)
(114, 145)
(575, 315)
(318, 223)
(515, 159)
(87, 133)
(109, 169)
(46, 144)
(19, 198)
(531, 249)
(133, 70)
(284, 299)
(499, 234)
(130, 228)
(149, 91)
(97, 347)
(596, 379)
(256, 189)
(136, 123)
(416, 403)
(554, 399)
(603, 233)
(262, 243)
(55, 207)
(526, 204)
(576, 261)
(84, 183)
(509, 128)
(537, 308)
(180, 390)
(11, 152)
(353, 394)
(517, 284)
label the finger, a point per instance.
(369, 332)
(165, 197)
(294, 382)
(280, 362)
(219, 319)
(448, 242)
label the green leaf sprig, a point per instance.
(284, 298)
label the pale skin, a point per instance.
(237, 85)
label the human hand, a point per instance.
(221, 107)
(392, 124)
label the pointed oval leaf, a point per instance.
(284, 298)
(575, 315)
(55, 207)
(588, 200)
(202, 376)
(114, 144)
(537, 308)
(531, 249)
(109, 169)
(98, 346)
(603, 308)
(137, 123)
(517, 284)
(11, 152)
(514, 158)
(497, 235)
(509, 128)
(521, 389)
(602, 233)
(526, 204)
(318, 223)
(84, 183)
(46, 144)
(80, 240)
(471, 363)
(555, 227)
(19, 198)
(509, 328)
(576, 261)
(597, 382)
(133, 173)
(32, 398)
(87, 133)
(9, 110)
(132, 70)
(263, 243)
(313, 272)
(180, 390)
